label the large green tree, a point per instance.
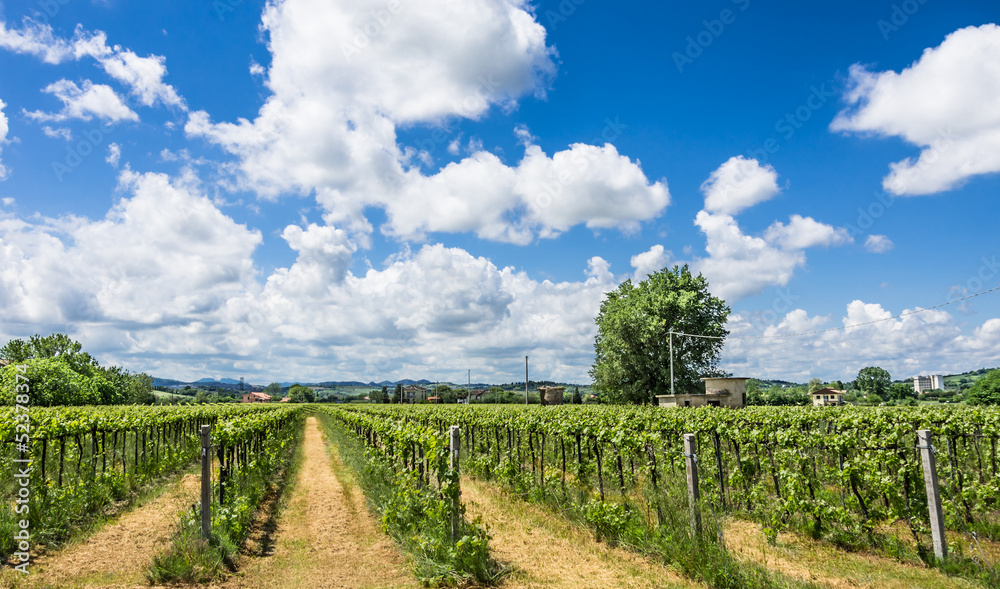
(632, 360)
(873, 381)
(986, 391)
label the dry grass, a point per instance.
(326, 536)
(809, 560)
(118, 554)
(545, 550)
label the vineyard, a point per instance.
(84, 458)
(851, 476)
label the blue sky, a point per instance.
(312, 190)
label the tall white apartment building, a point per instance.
(925, 383)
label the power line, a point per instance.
(844, 327)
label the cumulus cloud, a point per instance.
(947, 103)
(84, 103)
(918, 342)
(878, 244)
(740, 265)
(648, 262)
(329, 126)
(738, 184)
(163, 255)
(143, 75)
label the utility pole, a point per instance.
(671, 360)
(468, 391)
(525, 380)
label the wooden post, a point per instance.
(206, 481)
(933, 494)
(453, 467)
(691, 461)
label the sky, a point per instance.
(383, 189)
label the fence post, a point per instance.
(933, 493)
(455, 446)
(206, 481)
(691, 462)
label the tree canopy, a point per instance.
(300, 394)
(873, 381)
(632, 359)
(59, 372)
(986, 390)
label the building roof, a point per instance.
(414, 388)
(828, 391)
(258, 396)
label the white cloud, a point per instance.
(84, 103)
(114, 154)
(805, 232)
(4, 129)
(57, 133)
(143, 75)
(946, 103)
(878, 244)
(930, 341)
(35, 39)
(342, 80)
(163, 255)
(738, 184)
(740, 265)
(648, 262)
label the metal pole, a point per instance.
(206, 481)
(455, 446)
(525, 380)
(671, 360)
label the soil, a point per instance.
(326, 537)
(118, 554)
(545, 550)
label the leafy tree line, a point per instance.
(59, 372)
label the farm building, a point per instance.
(719, 392)
(415, 393)
(551, 395)
(824, 397)
(256, 398)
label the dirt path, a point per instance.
(326, 536)
(546, 551)
(120, 552)
(817, 562)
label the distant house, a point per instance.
(285, 400)
(4, 362)
(434, 399)
(719, 392)
(256, 398)
(475, 394)
(415, 393)
(828, 396)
